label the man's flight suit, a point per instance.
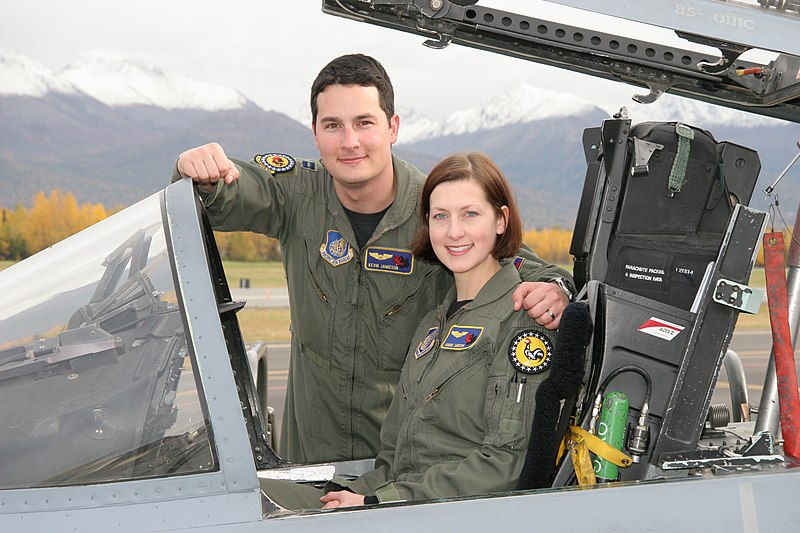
(353, 311)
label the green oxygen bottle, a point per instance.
(611, 430)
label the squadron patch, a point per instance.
(389, 260)
(275, 163)
(462, 337)
(427, 343)
(518, 262)
(335, 250)
(530, 352)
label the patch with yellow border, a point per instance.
(462, 337)
(530, 352)
(390, 260)
(275, 163)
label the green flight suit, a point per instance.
(353, 311)
(460, 419)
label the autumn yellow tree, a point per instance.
(55, 217)
(551, 244)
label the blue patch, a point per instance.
(518, 262)
(275, 163)
(389, 260)
(310, 165)
(427, 343)
(462, 337)
(335, 250)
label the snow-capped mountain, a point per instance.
(109, 130)
(523, 103)
(120, 82)
(20, 76)
(115, 81)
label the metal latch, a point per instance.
(741, 297)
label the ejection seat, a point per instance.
(663, 248)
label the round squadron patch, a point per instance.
(530, 352)
(275, 163)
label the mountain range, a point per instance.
(110, 129)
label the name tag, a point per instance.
(462, 337)
(391, 260)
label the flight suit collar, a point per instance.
(498, 286)
(407, 190)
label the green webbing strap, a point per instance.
(677, 176)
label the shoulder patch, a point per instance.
(310, 165)
(530, 352)
(462, 337)
(275, 163)
(518, 262)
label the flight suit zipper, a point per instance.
(436, 390)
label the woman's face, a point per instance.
(463, 226)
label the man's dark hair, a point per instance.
(354, 69)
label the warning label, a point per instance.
(661, 328)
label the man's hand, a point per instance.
(341, 498)
(544, 302)
(206, 165)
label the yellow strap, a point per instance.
(580, 442)
(582, 462)
(603, 449)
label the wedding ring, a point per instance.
(552, 315)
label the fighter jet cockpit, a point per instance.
(97, 383)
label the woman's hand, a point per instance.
(341, 498)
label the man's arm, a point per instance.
(539, 293)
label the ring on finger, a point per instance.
(552, 315)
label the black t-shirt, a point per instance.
(455, 306)
(364, 224)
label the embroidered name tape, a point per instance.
(391, 260)
(462, 337)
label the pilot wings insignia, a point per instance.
(462, 337)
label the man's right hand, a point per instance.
(206, 165)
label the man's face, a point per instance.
(354, 137)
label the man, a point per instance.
(345, 224)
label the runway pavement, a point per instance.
(275, 298)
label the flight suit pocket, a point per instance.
(400, 317)
(314, 310)
(505, 416)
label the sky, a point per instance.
(271, 51)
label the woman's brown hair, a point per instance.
(480, 168)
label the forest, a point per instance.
(54, 217)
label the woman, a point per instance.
(460, 417)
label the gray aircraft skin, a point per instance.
(129, 402)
